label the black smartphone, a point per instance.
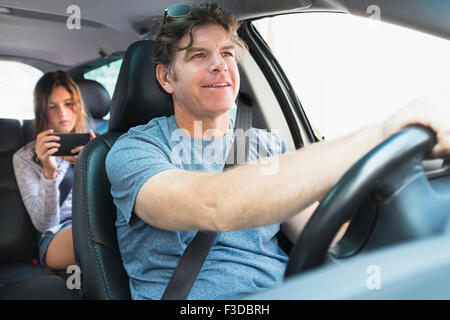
(69, 141)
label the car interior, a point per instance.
(376, 195)
(19, 237)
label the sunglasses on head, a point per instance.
(176, 11)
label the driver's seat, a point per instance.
(136, 100)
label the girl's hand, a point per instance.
(46, 146)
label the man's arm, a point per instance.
(293, 227)
(242, 197)
(184, 200)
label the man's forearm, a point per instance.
(246, 198)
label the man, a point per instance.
(163, 196)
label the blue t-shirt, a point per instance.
(239, 262)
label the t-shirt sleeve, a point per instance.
(130, 163)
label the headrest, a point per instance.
(95, 97)
(29, 130)
(11, 137)
(137, 97)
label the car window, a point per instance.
(349, 72)
(106, 75)
(17, 81)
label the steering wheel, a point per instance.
(392, 173)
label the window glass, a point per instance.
(17, 81)
(350, 72)
(106, 75)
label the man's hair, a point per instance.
(200, 14)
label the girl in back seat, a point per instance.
(58, 108)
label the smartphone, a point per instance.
(69, 141)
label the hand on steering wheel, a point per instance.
(393, 165)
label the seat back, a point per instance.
(97, 101)
(137, 97)
(136, 100)
(20, 278)
(18, 238)
(29, 130)
(93, 219)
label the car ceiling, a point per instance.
(37, 29)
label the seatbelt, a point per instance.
(196, 252)
(64, 189)
(65, 185)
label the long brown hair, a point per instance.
(42, 92)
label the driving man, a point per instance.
(167, 180)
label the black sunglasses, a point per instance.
(176, 11)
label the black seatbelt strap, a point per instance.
(65, 185)
(196, 252)
(64, 189)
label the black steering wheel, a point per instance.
(392, 174)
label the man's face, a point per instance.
(205, 78)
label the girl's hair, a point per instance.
(42, 92)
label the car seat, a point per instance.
(136, 100)
(97, 101)
(21, 277)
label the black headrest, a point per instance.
(29, 130)
(95, 97)
(11, 137)
(137, 97)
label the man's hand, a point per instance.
(181, 200)
(432, 111)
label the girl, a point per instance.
(58, 108)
